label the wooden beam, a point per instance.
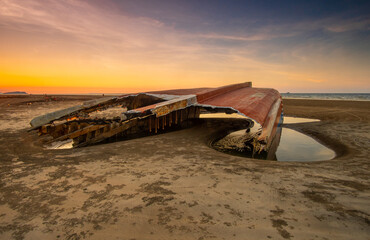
(125, 125)
(78, 132)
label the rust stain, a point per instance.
(164, 109)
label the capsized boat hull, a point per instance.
(153, 112)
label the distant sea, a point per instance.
(329, 96)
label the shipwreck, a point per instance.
(141, 114)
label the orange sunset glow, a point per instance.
(119, 47)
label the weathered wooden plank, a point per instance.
(60, 114)
(78, 132)
(113, 131)
(150, 124)
(170, 119)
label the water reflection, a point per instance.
(289, 120)
(221, 115)
(293, 146)
(67, 144)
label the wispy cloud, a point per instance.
(356, 24)
(119, 41)
(74, 17)
(246, 37)
(270, 31)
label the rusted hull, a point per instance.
(157, 111)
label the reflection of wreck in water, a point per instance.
(141, 114)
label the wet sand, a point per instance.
(173, 186)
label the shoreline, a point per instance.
(325, 99)
(120, 94)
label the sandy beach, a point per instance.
(174, 186)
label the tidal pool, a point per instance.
(293, 146)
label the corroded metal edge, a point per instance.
(259, 106)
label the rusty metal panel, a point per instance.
(215, 92)
(252, 102)
(262, 105)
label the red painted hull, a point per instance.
(262, 105)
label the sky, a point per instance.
(121, 46)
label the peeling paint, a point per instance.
(159, 111)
